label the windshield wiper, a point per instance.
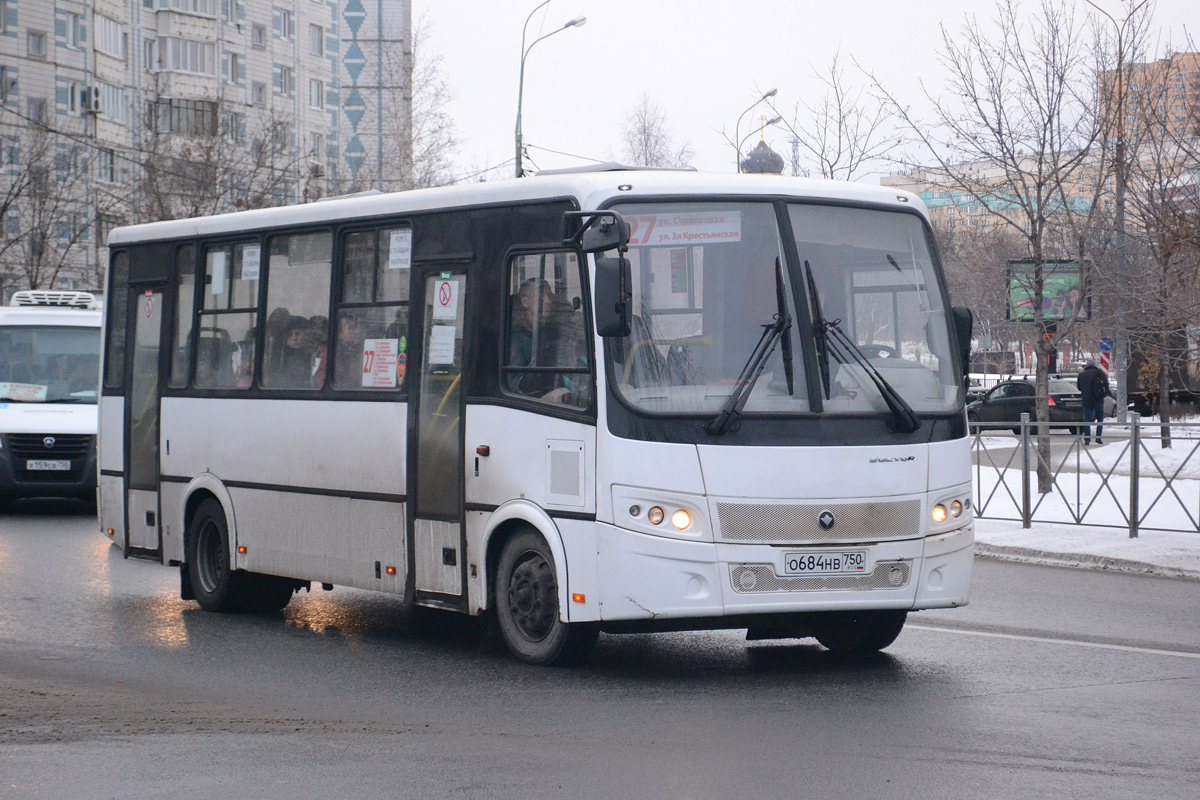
(732, 409)
(905, 418)
(814, 304)
(831, 339)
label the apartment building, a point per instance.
(119, 111)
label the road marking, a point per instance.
(1048, 640)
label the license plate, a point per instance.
(825, 562)
(60, 466)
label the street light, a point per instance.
(575, 23)
(1121, 356)
(737, 163)
(766, 124)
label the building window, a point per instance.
(71, 30)
(285, 24)
(235, 64)
(37, 44)
(106, 166)
(109, 37)
(207, 8)
(316, 40)
(187, 55)
(287, 81)
(258, 94)
(231, 9)
(112, 103)
(258, 36)
(8, 84)
(316, 145)
(37, 110)
(316, 93)
(189, 117)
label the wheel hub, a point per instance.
(532, 598)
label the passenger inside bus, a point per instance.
(349, 351)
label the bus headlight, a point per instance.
(956, 509)
(681, 519)
(655, 515)
(939, 514)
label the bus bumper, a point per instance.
(650, 577)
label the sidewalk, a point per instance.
(1175, 555)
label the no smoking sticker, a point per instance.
(445, 299)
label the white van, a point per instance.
(49, 380)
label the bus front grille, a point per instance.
(759, 578)
(763, 523)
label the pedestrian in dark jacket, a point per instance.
(1093, 387)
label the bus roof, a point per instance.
(590, 189)
(49, 316)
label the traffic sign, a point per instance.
(1106, 344)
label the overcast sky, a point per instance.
(703, 61)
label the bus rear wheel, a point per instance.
(215, 584)
(858, 631)
(527, 608)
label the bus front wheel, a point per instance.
(527, 605)
(859, 631)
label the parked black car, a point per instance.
(1008, 400)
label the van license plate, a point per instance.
(59, 466)
(825, 562)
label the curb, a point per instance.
(1082, 561)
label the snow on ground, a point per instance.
(1152, 552)
(1053, 539)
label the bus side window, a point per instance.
(297, 328)
(546, 348)
(376, 271)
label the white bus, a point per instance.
(49, 381)
(583, 402)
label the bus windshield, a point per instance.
(49, 364)
(711, 281)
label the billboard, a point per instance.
(1062, 291)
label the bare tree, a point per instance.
(646, 139)
(419, 142)
(43, 209)
(842, 134)
(1015, 137)
(1163, 168)
(205, 157)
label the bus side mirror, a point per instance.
(605, 234)
(964, 321)
(614, 311)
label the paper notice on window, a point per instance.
(445, 299)
(441, 344)
(23, 392)
(218, 272)
(714, 226)
(400, 250)
(251, 258)
(379, 363)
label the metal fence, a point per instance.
(1132, 481)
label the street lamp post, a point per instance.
(737, 162)
(767, 124)
(1121, 339)
(574, 23)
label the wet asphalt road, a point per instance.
(1053, 683)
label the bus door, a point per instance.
(436, 461)
(141, 422)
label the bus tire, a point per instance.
(216, 586)
(267, 593)
(527, 605)
(858, 631)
